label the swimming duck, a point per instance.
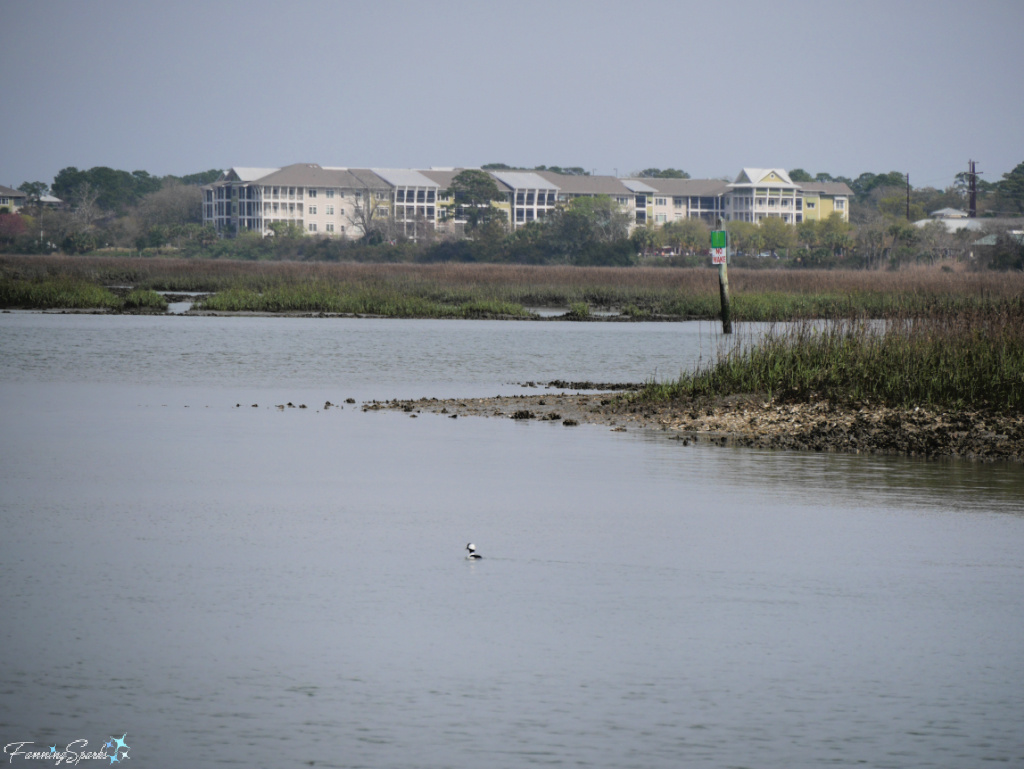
(473, 554)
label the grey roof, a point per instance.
(571, 184)
(365, 177)
(949, 213)
(953, 225)
(524, 180)
(442, 176)
(314, 175)
(635, 185)
(311, 175)
(825, 188)
(991, 239)
(247, 174)
(687, 187)
(1014, 226)
(404, 177)
(7, 192)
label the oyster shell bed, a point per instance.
(759, 422)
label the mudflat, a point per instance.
(750, 420)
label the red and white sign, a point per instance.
(718, 255)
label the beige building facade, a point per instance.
(345, 202)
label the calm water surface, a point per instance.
(230, 583)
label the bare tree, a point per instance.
(171, 205)
(372, 215)
(83, 202)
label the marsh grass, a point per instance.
(64, 293)
(579, 311)
(328, 298)
(968, 359)
(641, 292)
(61, 292)
(145, 300)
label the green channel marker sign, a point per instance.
(719, 246)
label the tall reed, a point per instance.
(971, 359)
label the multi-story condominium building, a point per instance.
(760, 193)
(674, 199)
(822, 199)
(347, 201)
(317, 200)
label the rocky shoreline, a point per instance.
(759, 422)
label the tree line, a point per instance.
(139, 212)
(105, 207)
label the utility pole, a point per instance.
(972, 191)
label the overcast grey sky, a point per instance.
(709, 87)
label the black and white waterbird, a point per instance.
(473, 554)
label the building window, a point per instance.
(311, 209)
(329, 210)
(677, 202)
(312, 192)
(330, 193)
(330, 227)
(660, 201)
(840, 204)
(660, 218)
(810, 204)
(312, 227)
(641, 217)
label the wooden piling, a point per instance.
(723, 292)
